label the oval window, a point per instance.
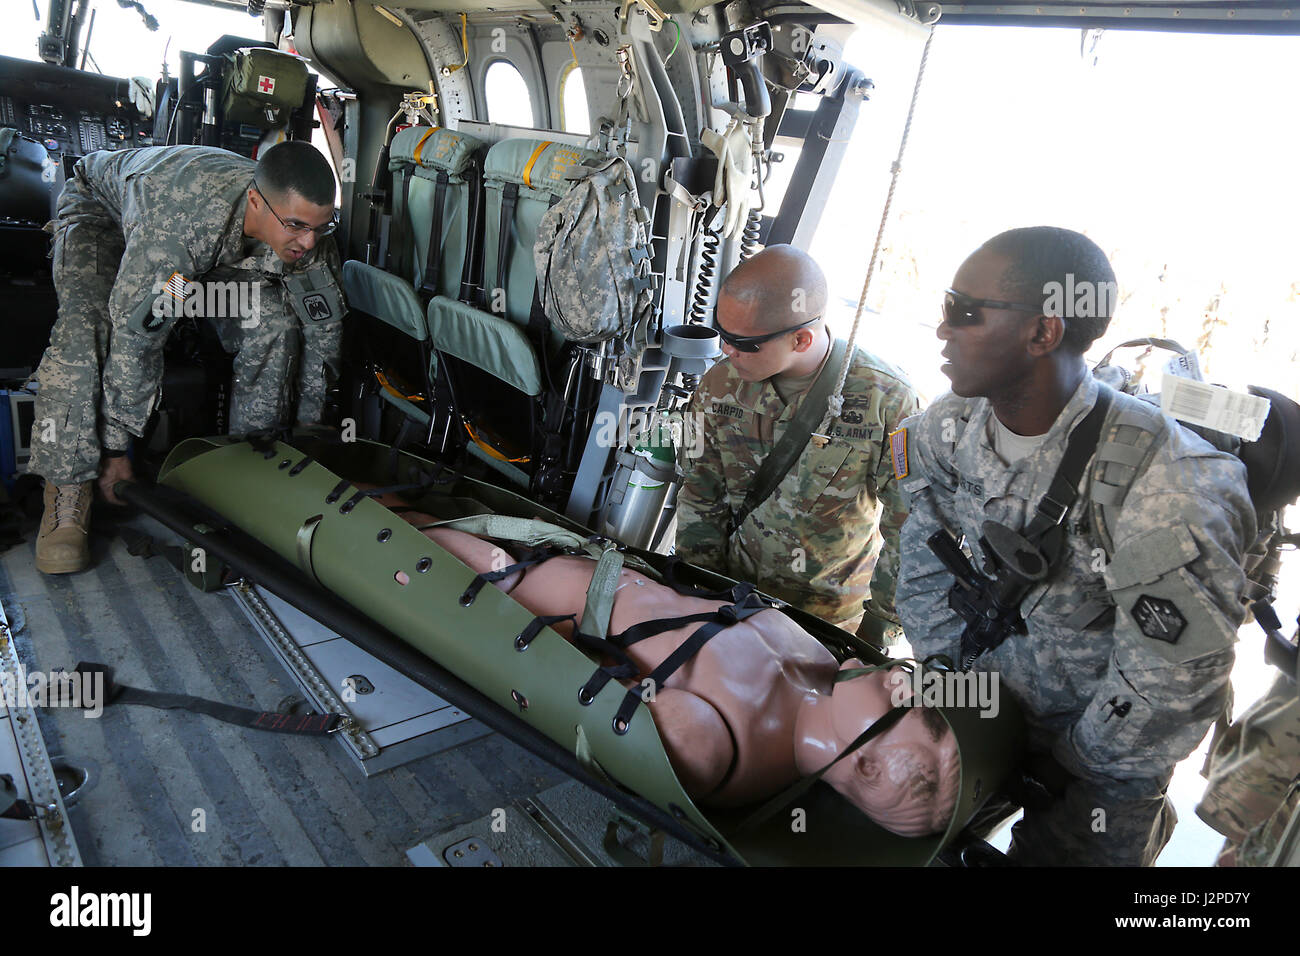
(573, 102)
(508, 100)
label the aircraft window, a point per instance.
(508, 101)
(574, 115)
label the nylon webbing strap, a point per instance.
(535, 556)
(305, 724)
(11, 807)
(525, 531)
(801, 786)
(725, 617)
(532, 161)
(600, 594)
(794, 439)
(397, 228)
(433, 261)
(509, 196)
(1061, 493)
(473, 233)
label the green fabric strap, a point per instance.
(800, 786)
(600, 594)
(795, 438)
(524, 531)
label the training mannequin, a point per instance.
(753, 710)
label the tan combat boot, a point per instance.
(63, 545)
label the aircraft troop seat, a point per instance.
(436, 177)
(468, 248)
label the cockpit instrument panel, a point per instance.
(69, 111)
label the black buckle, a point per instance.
(1052, 510)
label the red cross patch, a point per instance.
(266, 84)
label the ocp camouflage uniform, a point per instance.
(827, 537)
(1254, 772)
(1117, 702)
(136, 231)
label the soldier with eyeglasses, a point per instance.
(826, 539)
(143, 237)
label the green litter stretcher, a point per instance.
(297, 500)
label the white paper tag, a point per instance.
(1185, 365)
(1213, 406)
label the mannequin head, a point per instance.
(906, 779)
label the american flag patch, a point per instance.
(177, 286)
(898, 452)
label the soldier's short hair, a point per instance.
(1041, 255)
(298, 166)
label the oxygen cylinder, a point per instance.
(641, 485)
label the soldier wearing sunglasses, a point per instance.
(1123, 657)
(144, 237)
(826, 540)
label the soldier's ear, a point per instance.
(1049, 330)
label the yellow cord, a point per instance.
(383, 380)
(464, 44)
(490, 450)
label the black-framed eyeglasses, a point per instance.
(750, 343)
(960, 309)
(293, 226)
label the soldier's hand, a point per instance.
(113, 470)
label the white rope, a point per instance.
(835, 403)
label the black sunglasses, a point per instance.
(293, 226)
(960, 309)
(750, 343)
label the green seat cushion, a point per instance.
(485, 341)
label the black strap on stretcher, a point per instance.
(318, 725)
(745, 602)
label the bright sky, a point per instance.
(121, 44)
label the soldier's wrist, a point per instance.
(114, 453)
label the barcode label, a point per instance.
(1213, 406)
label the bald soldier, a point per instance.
(826, 538)
(143, 237)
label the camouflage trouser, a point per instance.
(69, 427)
(1096, 826)
(1253, 771)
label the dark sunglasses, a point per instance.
(960, 309)
(293, 226)
(750, 343)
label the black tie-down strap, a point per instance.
(11, 806)
(746, 602)
(308, 724)
(531, 557)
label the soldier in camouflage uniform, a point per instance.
(826, 540)
(1254, 771)
(1128, 649)
(144, 237)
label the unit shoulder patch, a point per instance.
(1158, 618)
